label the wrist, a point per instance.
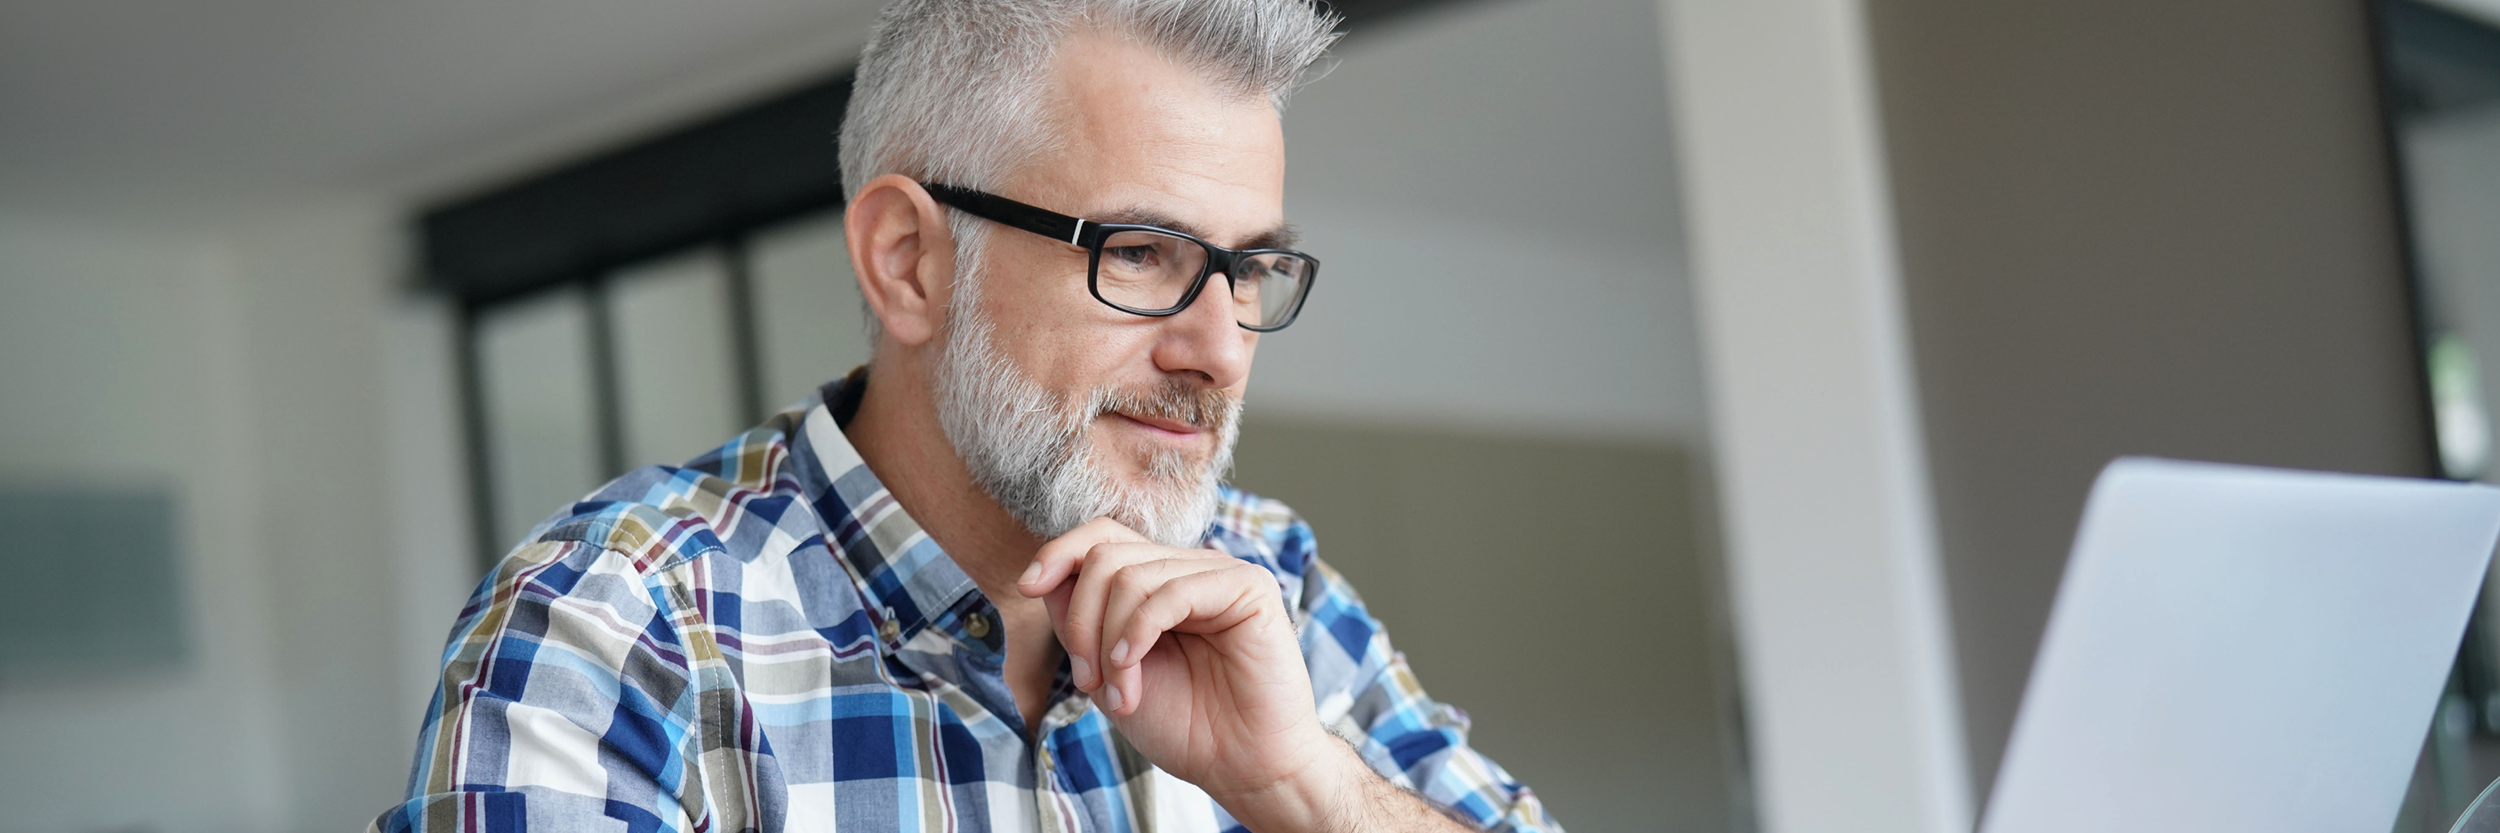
(1327, 796)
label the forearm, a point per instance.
(1343, 796)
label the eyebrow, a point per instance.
(1282, 236)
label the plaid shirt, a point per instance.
(764, 640)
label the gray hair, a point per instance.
(955, 91)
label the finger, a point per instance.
(1081, 670)
(1080, 621)
(1059, 557)
(1206, 602)
(1134, 622)
(1129, 588)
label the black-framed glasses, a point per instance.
(1157, 271)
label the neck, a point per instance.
(897, 434)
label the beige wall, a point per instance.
(1555, 589)
(2133, 227)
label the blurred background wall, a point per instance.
(246, 373)
(127, 350)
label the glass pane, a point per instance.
(1146, 270)
(1264, 292)
(677, 384)
(807, 308)
(541, 437)
(2454, 161)
(2445, 85)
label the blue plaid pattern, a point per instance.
(764, 640)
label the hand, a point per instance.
(1192, 657)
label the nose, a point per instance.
(1205, 340)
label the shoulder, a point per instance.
(650, 534)
(735, 514)
(663, 551)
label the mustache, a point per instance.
(1175, 400)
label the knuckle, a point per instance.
(1104, 552)
(1260, 581)
(1172, 608)
(1059, 550)
(1131, 581)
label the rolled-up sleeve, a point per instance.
(1368, 695)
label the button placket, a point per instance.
(888, 629)
(1044, 785)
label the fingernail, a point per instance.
(1119, 653)
(1111, 698)
(1030, 573)
(1084, 671)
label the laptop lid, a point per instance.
(2243, 649)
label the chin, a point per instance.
(1164, 493)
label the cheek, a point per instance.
(1076, 349)
(1079, 359)
(1045, 322)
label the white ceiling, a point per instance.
(180, 107)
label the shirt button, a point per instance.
(977, 625)
(890, 631)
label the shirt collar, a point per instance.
(908, 581)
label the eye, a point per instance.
(1133, 257)
(1247, 276)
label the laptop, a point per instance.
(2243, 649)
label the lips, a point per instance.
(1175, 412)
(1160, 423)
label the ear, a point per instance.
(904, 254)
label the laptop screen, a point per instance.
(2243, 649)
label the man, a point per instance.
(992, 580)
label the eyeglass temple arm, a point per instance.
(1004, 211)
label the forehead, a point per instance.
(1138, 130)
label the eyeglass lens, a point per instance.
(1151, 271)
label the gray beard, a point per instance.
(1032, 452)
